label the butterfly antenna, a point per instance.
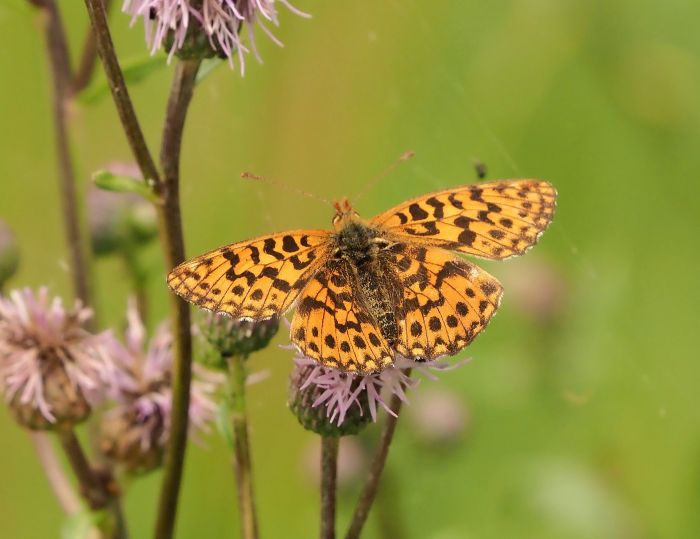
(285, 187)
(388, 170)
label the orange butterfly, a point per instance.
(370, 289)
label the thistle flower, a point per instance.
(52, 369)
(329, 401)
(9, 253)
(205, 28)
(135, 432)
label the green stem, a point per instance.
(241, 448)
(88, 58)
(120, 93)
(61, 71)
(329, 470)
(174, 252)
(369, 491)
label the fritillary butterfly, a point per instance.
(368, 290)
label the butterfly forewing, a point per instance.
(493, 220)
(333, 325)
(253, 279)
(446, 301)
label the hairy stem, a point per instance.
(369, 491)
(329, 470)
(120, 94)
(88, 58)
(174, 252)
(60, 484)
(243, 465)
(97, 489)
(59, 59)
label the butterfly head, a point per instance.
(344, 214)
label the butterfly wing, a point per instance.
(252, 279)
(494, 220)
(334, 326)
(446, 303)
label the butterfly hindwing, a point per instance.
(493, 220)
(446, 301)
(252, 279)
(334, 326)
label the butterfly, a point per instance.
(369, 290)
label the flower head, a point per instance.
(135, 432)
(326, 398)
(52, 369)
(206, 27)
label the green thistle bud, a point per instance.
(228, 337)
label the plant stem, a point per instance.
(59, 59)
(171, 237)
(329, 470)
(243, 466)
(174, 252)
(98, 489)
(54, 473)
(369, 491)
(88, 58)
(120, 94)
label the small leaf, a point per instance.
(207, 67)
(135, 71)
(104, 179)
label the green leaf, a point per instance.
(207, 67)
(135, 71)
(104, 179)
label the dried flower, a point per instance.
(52, 369)
(330, 401)
(135, 432)
(204, 28)
(9, 253)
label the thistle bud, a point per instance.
(119, 221)
(228, 337)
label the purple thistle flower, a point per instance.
(52, 369)
(136, 430)
(343, 394)
(221, 21)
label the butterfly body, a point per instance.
(369, 290)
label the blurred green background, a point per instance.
(580, 410)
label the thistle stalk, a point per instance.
(329, 470)
(243, 465)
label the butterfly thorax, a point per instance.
(363, 249)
